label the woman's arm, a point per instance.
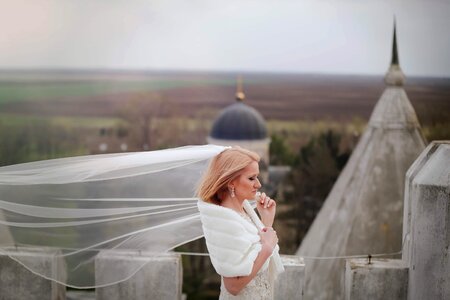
(268, 241)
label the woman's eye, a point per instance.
(252, 178)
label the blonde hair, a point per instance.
(222, 169)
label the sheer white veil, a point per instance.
(81, 206)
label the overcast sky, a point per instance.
(319, 36)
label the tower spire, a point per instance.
(240, 96)
(395, 60)
(394, 76)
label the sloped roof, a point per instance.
(363, 212)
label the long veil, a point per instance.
(80, 207)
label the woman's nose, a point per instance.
(258, 184)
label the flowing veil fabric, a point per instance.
(83, 206)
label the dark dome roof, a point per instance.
(239, 122)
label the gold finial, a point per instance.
(240, 96)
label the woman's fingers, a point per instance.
(262, 198)
(269, 235)
(266, 229)
(266, 201)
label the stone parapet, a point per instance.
(18, 282)
(382, 279)
(290, 284)
(158, 276)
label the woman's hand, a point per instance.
(269, 238)
(266, 208)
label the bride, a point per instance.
(239, 251)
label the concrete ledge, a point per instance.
(290, 284)
(158, 276)
(17, 282)
(383, 279)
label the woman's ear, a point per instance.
(231, 183)
(231, 190)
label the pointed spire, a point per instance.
(240, 96)
(395, 60)
(394, 76)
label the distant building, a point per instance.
(241, 125)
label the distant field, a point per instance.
(58, 90)
(276, 96)
(81, 122)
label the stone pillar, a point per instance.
(290, 284)
(17, 282)
(382, 279)
(158, 275)
(426, 226)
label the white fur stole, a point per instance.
(233, 242)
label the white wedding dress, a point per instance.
(260, 288)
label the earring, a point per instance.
(232, 194)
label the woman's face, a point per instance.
(247, 184)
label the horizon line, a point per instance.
(200, 71)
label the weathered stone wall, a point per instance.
(159, 277)
(17, 282)
(382, 279)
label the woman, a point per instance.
(238, 250)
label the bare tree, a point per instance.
(140, 112)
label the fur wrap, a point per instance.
(233, 242)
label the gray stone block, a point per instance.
(427, 227)
(290, 284)
(383, 279)
(158, 275)
(19, 283)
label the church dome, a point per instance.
(239, 122)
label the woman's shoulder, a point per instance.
(215, 217)
(211, 208)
